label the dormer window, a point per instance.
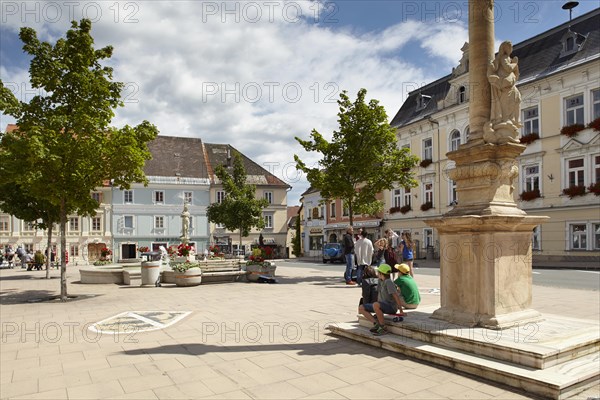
(572, 42)
(462, 95)
(422, 101)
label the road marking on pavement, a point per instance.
(138, 321)
(589, 272)
(537, 273)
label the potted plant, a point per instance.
(426, 162)
(529, 138)
(394, 210)
(595, 125)
(595, 188)
(105, 253)
(143, 249)
(574, 191)
(405, 209)
(187, 274)
(529, 195)
(572, 130)
(426, 206)
(257, 266)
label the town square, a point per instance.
(191, 194)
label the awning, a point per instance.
(372, 223)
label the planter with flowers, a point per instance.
(215, 252)
(426, 206)
(574, 191)
(405, 209)
(530, 138)
(529, 195)
(394, 210)
(572, 130)
(105, 254)
(426, 163)
(257, 264)
(187, 274)
(595, 125)
(595, 188)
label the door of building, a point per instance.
(94, 251)
(128, 250)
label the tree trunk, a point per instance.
(240, 248)
(63, 249)
(49, 253)
(351, 213)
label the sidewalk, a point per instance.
(424, 263)
(241, 341)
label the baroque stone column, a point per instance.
(485, 253)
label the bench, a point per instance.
(221, 271)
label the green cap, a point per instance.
(384, 269)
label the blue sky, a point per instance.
(257, 73)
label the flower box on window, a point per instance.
(530, 138)
(572, 130)
(405, 209)
(425, 163)
(529, 195)
(394, 210)
(426, 206)
(595, 188)
(595, 125)
(574, 191)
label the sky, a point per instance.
(256, 74)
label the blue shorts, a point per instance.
(386, 307)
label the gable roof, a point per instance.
(539, 57)
(176, 157)
(222, 154)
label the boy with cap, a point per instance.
(409, 292)
(388, 301)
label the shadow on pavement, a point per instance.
(11, 296)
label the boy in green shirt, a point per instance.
(387, 302)
(409, 292)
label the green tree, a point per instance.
(239, 210)
(296, 244)
(64, 147)
(15, 200)
(362, 159)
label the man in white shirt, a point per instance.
(364, 254)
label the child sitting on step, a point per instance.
(387, 302)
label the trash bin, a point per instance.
(151, 268)
(430, 253)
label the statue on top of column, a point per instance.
(185, 223)
(503, 73)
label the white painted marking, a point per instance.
(589, 272)
(537, 273)
(154, 325)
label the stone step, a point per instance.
(132, 278)
(558, 382)
(539, 345)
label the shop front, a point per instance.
(335, 232)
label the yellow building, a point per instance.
(268, 186)
(558, 174)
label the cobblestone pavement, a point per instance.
(240, 341)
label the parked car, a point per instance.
(333, 252)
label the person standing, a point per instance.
(407, 247)
(364, 254)
(348, 244)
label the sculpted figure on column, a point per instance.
(503, 73)
(185, 223)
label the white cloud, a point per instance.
(180, 59)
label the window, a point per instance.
(596, 233)
(96, 224)
(159, 197)
(453, 194)
(29, 248)
(531, 178)
(220, 226)
(576, 172)
(578, 237)
(462, 94)
(128, 196)
(406, 197)
(269, 197)
(428, 149)
(28, 226)
(187, 197)
(332, 215)
(74, 250)
(596, 169)
(531, 121)
(159, 222)
(595, 104)
(220, 196)
(269, 221)
(315, 242)
(467, 133)
(574, 108)
(454, 140)
(428, 189)
(4, 223)
(74, 224)
(345, 211)
(97, 196)
(428, 237)
(397, 198)
(536, 243)
(128, 221)
(315, 213)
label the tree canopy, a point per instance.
(64, 146)
(239, 209)
(362, 160)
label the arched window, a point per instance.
(467, 132)
(454, 140)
